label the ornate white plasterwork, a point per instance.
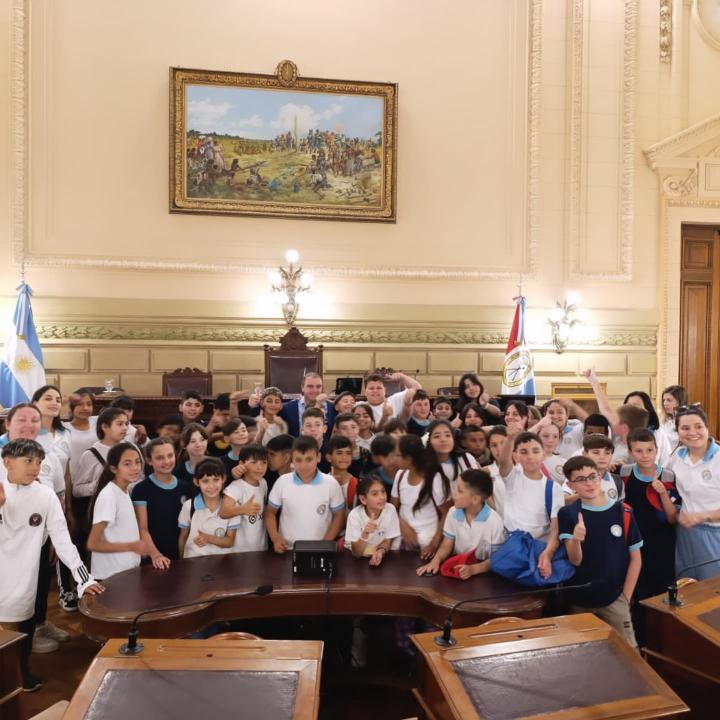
(577, 155)
(21, 255)
(665, 31)
(706, 15)
(685, 198)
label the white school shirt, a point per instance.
(51, 473)
(80, 441)
(698, 483)
(664, 450)
(453, 467)
(85, 481)
(554, 465)
(251, 534)
(572, 439)
(388, 528)
(670, 433)
(57, 442)
(499, 490)
(114, 507)
(364, 442)
(307, 508)
(424, 520)
(396, 401)
(31, 513)
(204, 520)
(525, 504)
(485, 531)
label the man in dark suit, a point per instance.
(292, 411)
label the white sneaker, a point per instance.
(52, 631)
(44, 644)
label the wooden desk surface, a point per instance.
(195, 679)
(567, 667)
(700, 610)
(357, 589)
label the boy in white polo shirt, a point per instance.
(471, 525)
(311, 504)
(29, 511)
(245, 500)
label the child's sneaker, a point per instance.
(31, 683)
(68, 601)
(47, 629)
(42, 644)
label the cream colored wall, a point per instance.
(493, 178)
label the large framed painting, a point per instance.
(282, 145)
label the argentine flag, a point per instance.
(518, 375)
(21, 370)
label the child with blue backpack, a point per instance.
(532, 499)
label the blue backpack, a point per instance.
(516, 559)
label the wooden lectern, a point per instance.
(202, 679)
(11, 690)
(683, 644)
(568, 667)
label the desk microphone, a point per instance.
(133, 647)
(672, 598)
(447, 640)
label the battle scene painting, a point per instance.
(246, 144)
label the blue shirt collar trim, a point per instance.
(4, 440)
(646, 478)
(598, 508)
(315, 481)
(710, 453)
(198, 502)
(163, 486)
(567, 428)
(232, 457)
(482, 516)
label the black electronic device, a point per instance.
(314, 558)
(349, 384)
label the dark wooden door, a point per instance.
(700, 318)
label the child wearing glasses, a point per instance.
(603, 542)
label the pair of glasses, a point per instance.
(592, 477)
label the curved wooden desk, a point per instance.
(356, 589)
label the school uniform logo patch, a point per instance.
(35, 520)
(612, 493)
(45, 468)
(219, 532)
(616, 531)
(706, 475)
(321, 509)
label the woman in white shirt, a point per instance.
(697, 475)
(53, 436)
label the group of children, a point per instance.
(629, 500)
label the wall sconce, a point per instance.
(290, 281)
(562, 319)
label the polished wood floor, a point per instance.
(382, 692)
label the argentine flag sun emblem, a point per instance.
(21, 369)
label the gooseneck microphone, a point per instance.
(447, 640)
(672, 598)
(133, 647)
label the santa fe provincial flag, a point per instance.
(518, 376)
(21, 369)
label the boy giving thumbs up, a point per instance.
(603, 542)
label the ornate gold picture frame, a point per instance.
(282, 145)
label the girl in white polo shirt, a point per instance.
(696, 465)
(114, 539)
(372, 526)
(421, 499)
(202, 530)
